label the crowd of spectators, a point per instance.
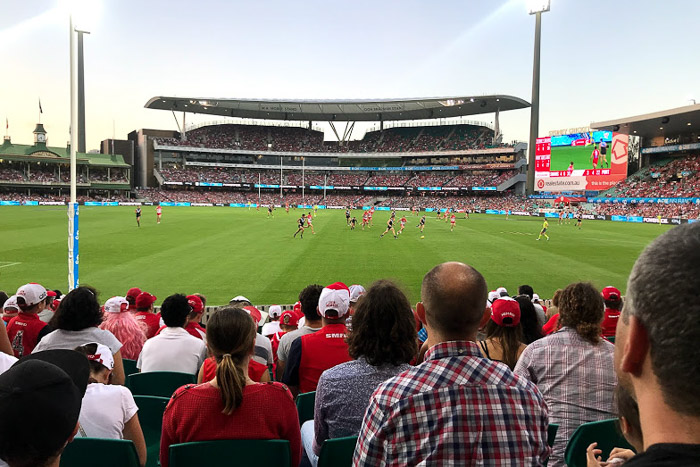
(49, 173)
(492, 370)
(296, 139)
(677, 178)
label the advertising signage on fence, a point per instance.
(237, 185)
(257, 185)
(429, 188)
(450, 188)
(402, 169)
(484, 188)
(321, 187)
(52, 203)
(645, 200)
(375, 188)
(209, 184)
(172, 183)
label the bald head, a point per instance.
(454, 295)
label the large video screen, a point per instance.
(590, 161)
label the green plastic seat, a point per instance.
(231, 453)
(604, 432)
(88, 452)
(305, 406)
(129, 366)
(158, 383)
(151, 410)
(611, 339)
(337, 452)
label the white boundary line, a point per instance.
(7, 265)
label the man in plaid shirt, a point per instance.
(456, 408)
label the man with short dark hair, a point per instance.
(656, 347)
(312, 354)
(173, 349)
(308, 300)
(40, 400)
(456, 408)
(541, 315)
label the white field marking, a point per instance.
(518, 233)
(5, 264)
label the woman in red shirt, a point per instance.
(231, 406)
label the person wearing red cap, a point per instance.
(288, 322)
(132, 294)
(504, 334)
(613, 304)
(195, 317)
(26, 329)
(313, 353)
(143, 305)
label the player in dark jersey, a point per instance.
(138, 216)
(347, 216)
(421, 224)
(300, 223)
(604, 153)
(353, 222)
(269, 211)
(579, 219)
(389, 226)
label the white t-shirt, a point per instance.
(105, 410)
(60, 339)
(271, 328)
(174, 349)
(6, 361)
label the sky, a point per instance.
(601, 59)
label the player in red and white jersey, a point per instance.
(159, 212)
(286, 207)
(453, 220)
(594, 157)
(370, 213)
(402, 222)
(570, 170)
(447, 214)
(309, 223)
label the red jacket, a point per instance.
(152, 321)
(320, 351)
(610, 322)
(255, 370)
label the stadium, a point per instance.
(366, 230)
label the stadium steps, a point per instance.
(520, 163)
(158, 176)
(512, 181)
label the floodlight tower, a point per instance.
(535, 7)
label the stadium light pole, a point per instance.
(535, 7)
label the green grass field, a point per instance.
(562, 156)
(223, 252)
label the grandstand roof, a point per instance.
(670, 122)
(42, 153)
(341, 110)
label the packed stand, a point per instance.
(678, 178)
(493, 370)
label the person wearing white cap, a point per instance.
(273, 326)
(26, 329)
(125, 327)
(10, 309)
(108, 411)
(313, 353)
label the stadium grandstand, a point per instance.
(42, 172)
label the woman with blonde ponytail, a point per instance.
(231, 406)
(573, 367)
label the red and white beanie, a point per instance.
(334, 297)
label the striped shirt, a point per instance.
(576, 378)
(456, 408)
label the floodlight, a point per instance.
(537, 6)
(84, 13)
